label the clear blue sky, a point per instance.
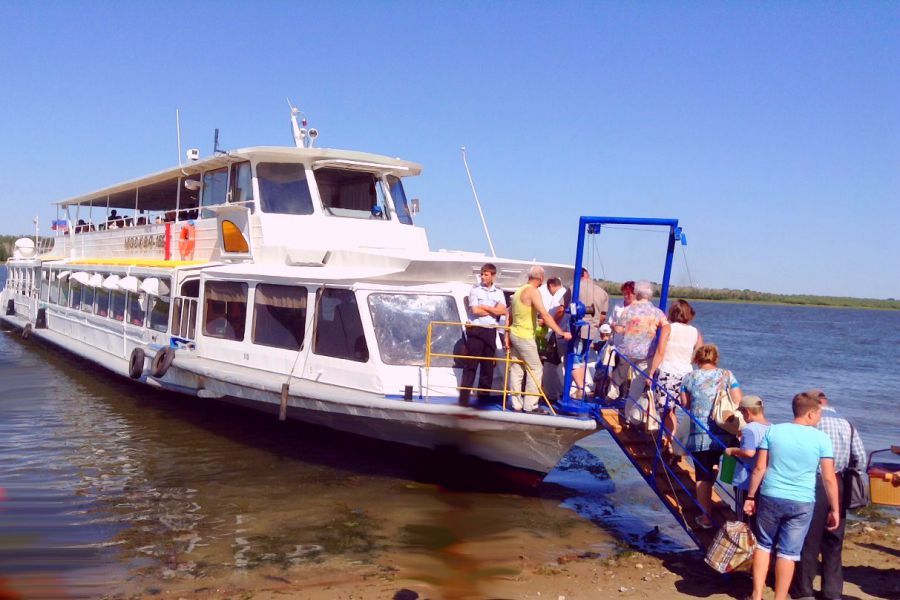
(772, 130)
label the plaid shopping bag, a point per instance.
(732, 548)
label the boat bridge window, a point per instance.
(240, 189)
(354, 194)
(75, 295)
(215, 189)
(339, 331)
(45, 287)
(53, 298)
(401, 327)
(225, 310)
(283, 188)
(279, 316)
(398, 195)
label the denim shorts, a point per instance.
(782, 524)
(579, 359)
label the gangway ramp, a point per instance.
(674, 482)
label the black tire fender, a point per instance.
(136, 363)
(162, 360)
(26, 331)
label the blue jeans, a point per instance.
(782, 524)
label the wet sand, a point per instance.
(525, 565)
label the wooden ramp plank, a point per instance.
(676, 489)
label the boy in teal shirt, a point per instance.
(786, 465)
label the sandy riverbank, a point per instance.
(871, 558)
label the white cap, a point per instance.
(605, 328)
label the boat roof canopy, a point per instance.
(156, 191)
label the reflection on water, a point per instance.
(110, 485)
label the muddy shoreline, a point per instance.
(523, 566)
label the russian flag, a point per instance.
(60, 225)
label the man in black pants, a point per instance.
(819, 540)
(487, 305)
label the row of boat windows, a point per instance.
(283, 188)
(276, 315)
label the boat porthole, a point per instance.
(162, 360)
(136, 364)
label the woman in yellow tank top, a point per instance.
(526, 305)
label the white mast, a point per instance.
(477, 203)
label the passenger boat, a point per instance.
(288, 279)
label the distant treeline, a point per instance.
(728, 295)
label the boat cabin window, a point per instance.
(54, 287)
(401, 327)
(283, 188)
(191, 289)
(75, 295)
(279, 316)
(225, 310)
(398, 195)
(158, 318)
(215, 189)
(64, 292)
(117, 305)
(101, 306)
(339, 331)
(354, 194)
(45, 287)
(241, 187)
(87, 299)
(136, 309)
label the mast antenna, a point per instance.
(477, 203)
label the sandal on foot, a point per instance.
(703, 524)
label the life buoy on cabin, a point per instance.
(187, 239)
(161, 362)
(136, 363)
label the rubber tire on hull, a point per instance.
(161, 362)
(26, 331)
(136, 363)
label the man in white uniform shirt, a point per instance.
(487, 305)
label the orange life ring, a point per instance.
(187, 240)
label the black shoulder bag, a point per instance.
(856, 483)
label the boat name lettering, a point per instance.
(145, 241)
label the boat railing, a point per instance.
(507, 360)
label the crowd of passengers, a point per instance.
(789, 477)
(117, 221)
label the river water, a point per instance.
(107, 486)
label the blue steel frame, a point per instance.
(592, 226)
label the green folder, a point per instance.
(726, 470)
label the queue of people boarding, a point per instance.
(788, 482)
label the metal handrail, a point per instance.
(429, 355)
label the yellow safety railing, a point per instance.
(507, 360)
